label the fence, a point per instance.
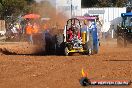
(110, 16)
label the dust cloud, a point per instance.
(55, 24)
(57, 20)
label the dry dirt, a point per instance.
(41, 71)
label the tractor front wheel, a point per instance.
(66, 51)
(121, 42)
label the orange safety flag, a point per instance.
(83, 73)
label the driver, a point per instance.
(76, 30)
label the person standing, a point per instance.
(87, 39)
(15, 32)
(29, 31)
(36, 35)
(94, 34)
(48, 41)
(18, 28)
(35, 28)
(85, 29)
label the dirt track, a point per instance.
(31, 71)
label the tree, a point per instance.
(121, 3)
(30, 1)
(104, 3)
(89, 3)
(13, 8)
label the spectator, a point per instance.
(15, 32)
(18, 28)
(36, 35)
(29, 31)
(48, 41)
(45, 26)
(35, 28)
(85, 29)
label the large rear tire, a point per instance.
(59, 44)
(87, 47)
(121, 42)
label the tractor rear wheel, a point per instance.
(121, 42)
(87, 47)
(59, 39)
(59, 44)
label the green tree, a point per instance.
(89, 3)
(13, 8)
(121, 3)
(112, 3)
(104, 3)
(30, 1)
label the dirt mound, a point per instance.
(21, 48)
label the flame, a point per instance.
(83, 73)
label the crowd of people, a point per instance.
(29, 31)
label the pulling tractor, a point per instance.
(124, 30)
(74, 40)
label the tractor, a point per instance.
(124, 30)
(74, 40)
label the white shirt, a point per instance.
(14, 30)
